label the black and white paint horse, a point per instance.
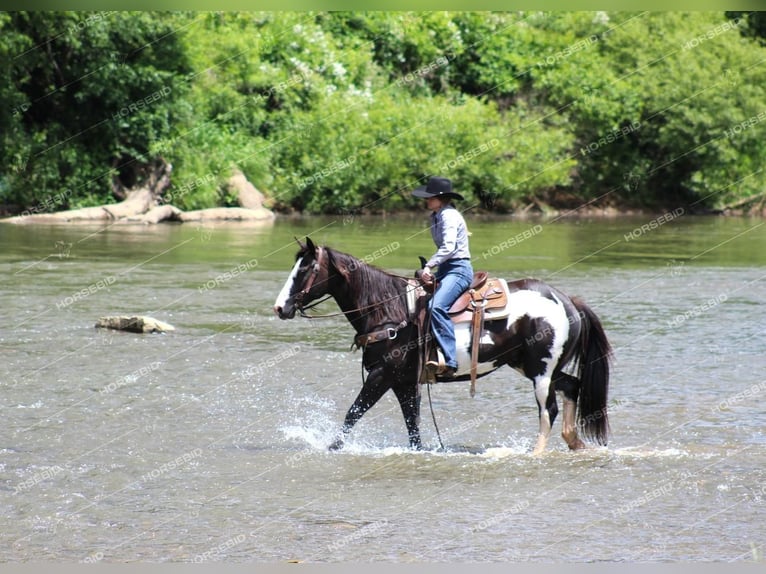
(545, 332)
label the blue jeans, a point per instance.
(453, 277)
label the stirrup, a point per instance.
(433, 368)
(437, 366)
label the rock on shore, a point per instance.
(134, 324)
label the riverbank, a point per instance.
(253, 211)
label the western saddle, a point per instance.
(485, 299)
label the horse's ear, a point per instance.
(310, 245)
(300, 243)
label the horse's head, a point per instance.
(307, 282)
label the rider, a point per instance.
(453, 263)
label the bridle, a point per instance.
(298, 297)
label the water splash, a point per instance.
(313, 422)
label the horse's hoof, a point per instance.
(337, 445)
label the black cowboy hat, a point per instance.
(436, 187)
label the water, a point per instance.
(208, 444)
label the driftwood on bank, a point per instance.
(227, 214)
(137, 203)
(158, 214)
(144, 204)
(247, 196)
(758, 198)
(134, 324)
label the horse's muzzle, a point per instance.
(289, 313)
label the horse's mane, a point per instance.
(381, 294)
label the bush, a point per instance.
(342, 111)
(93, 91)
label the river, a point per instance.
(208, 444)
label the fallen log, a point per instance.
(246, 193)
(228, 214)
(135, 201)
(158, 214)
(142, 205)
(745, 201)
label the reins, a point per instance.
(426, 352)
(301, 309)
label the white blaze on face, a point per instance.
(284, 294)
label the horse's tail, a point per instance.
(594, 354)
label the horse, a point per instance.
(545, 332)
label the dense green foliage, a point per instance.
(83, 97)
(344, 112)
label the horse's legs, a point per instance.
(570, 386)
(408, 395)
(545, 393)
(373, 388)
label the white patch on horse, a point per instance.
(463, 347)
(537, 306)
(520, 303)
(284, 294)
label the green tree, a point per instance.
(346, 111)
(92, 91)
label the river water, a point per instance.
(208, 443)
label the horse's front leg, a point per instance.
(374, 387)
(408, 395)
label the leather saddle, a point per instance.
(485, 293)
(486, 299)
